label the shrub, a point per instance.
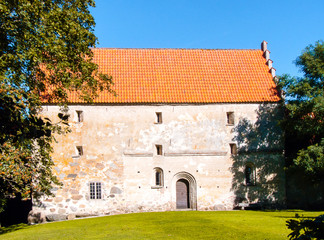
(306, 228)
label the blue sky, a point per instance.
(288, 26)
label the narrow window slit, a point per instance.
(233, 149)
(158, 174)
(79, 116)
(159, 149)
(250, 175)
(79, 150)
(230, 118)
(158, 178)
(158, 117)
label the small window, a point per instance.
(95, 190)
(158, 174)
(233, 148)
(249, 175)
(158, 178)
(230, 118)
(159, 149)
(158, 117)
(79, 150)
(79, 116)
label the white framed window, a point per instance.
(158, 177)
(95, 190)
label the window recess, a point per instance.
(230, 118)
(158, 178)
(250, 175)
(79, 116)
(79, 150)
(233, 149)
(158, 117)
(159, 150)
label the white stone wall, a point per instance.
(119, 151)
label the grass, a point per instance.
(165, 225)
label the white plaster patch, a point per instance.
(185, 117)
(201, 117)
(200, 167)
(101, 134)
(192, 163)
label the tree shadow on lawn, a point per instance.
(291, 217)
(301, 215)
(13, 228)
(258, 167)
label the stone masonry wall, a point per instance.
(119, 151)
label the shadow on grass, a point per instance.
(298, 214)
(13, 228)
(294, 217)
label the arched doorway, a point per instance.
(182, 196)
(184, 191)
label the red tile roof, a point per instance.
(185, 76)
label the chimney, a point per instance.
(264, 46)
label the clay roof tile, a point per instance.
(184, 76)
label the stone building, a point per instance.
(190, 129)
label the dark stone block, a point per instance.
(72, 175)
(115, 190)
(36, 217)
(55, 217)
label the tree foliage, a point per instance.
(304, 123)
(45, 46)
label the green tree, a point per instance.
(304, 122)
(45, 46)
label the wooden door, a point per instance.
(182, 189)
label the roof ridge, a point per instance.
(209, 49)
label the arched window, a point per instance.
(158, 177)
(249, 174)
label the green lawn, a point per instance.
(165, 225)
